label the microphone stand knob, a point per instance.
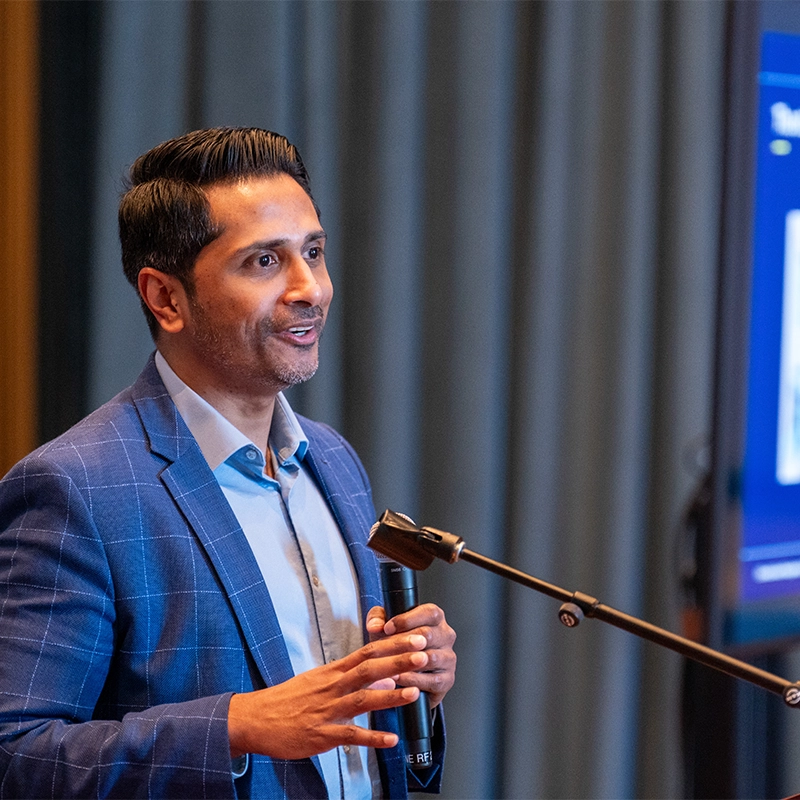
(570, 614)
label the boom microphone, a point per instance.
(399, 585)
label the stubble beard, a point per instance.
(274, 374)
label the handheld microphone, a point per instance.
(399, 585)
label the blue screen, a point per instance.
(769, 557)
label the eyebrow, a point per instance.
(319, 235)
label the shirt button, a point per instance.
(346, 748)
(315, 580)
(251, 454)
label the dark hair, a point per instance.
(165, 217)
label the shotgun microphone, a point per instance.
(399, 586)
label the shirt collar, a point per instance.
(217, 437)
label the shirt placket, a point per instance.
(286, 477)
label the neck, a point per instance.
(250, 412)
(252, 416)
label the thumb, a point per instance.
(376, 619)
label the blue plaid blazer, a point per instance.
(131, 608)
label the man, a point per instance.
(185, 590)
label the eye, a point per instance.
(266, 260)
(315, 253)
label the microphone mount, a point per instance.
(396, 536)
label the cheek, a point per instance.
(236, 310)
(327, 294)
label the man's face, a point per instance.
(261, 290)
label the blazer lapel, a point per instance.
(189, 480)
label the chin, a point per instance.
(295, 374)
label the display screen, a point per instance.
(769, 555)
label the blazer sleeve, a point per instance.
(57, 634)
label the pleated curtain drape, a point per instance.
(522, 201)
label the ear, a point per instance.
(165, 296)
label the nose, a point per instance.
(302, 283)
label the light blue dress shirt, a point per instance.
(299, 549)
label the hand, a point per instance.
(438, 675)
(313, 712)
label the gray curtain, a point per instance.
(522, 203)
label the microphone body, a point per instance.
(400, 595)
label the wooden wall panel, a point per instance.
(18, 228)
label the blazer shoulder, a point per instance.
(119, 431)
(115, 418)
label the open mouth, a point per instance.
(301, 331)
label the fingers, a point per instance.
(435, 684)
(284, 733)
(386, 647)
(314, 711)
(376, 665)
(425, 615)
(369, 670)
(376, 619)
(366, 700)
(384, 683)
(439, 661)
(438, 676)
(427, 620)
(359, 737)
